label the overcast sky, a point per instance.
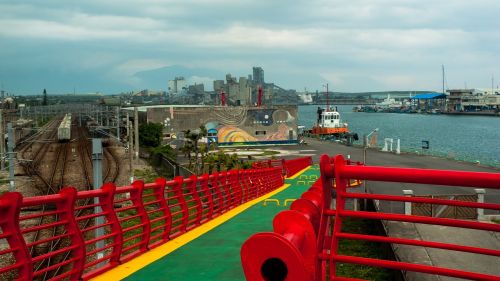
(356, 45)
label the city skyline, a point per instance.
(355, 46)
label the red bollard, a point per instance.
(288, 253)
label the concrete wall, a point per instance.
(234, 125)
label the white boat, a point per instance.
(389, 103)
(305, 98)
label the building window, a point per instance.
(257, 133)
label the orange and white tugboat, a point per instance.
(329, 125)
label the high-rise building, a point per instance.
(177, 85)
(258, 75)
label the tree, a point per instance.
(191, 144)
(204, 146)
(45, 99)
(150, 134)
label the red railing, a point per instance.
(60, 243)
(290, 167)
(268, 163)
(290, 252)
(296, 165)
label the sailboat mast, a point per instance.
(327, 101)
(442, 67)
(492, 83)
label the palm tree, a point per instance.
(187, 148)
(203, 147)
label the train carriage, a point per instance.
(64, 129)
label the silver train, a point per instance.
(64, 129)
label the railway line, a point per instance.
(52, 164)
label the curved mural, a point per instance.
(228, 125)
(234, 134)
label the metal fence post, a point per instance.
(480, 199)
(408, 193)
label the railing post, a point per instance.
(223, 179)
(408, 193)
(106, 199)
(67, 206)
(218, 193)
(15, 240)
(236, 188)
(159, 194)
(480, 199)
(193, 188)
(245, 185)
(208, 195)
(177, 189)
(341, 188)
(136, 198)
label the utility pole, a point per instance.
(136, 132)
(118, 123)
(2, 142)
(10, 144)
(130, 145)
(97, 173)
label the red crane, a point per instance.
(222, 98)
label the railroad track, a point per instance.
(111, 174)
(55, 181)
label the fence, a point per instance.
(52, 237)
(291, 252)
(290, 167)
(293, 166)
(268, 163)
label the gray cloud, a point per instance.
(356, 45)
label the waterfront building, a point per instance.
(229, 125)
(433, 102)
(473, 100)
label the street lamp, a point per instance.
(365, 146)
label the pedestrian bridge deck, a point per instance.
(212, 251)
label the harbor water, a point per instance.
(468, 138)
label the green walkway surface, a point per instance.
(216, 255)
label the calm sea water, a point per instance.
(467, 138)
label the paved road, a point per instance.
(442, 258)
(378, 158)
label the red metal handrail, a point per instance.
(290, 166)
(136, 218)
(296, 165)
(290, 255)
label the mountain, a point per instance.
(29, 81)
(32, 81)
